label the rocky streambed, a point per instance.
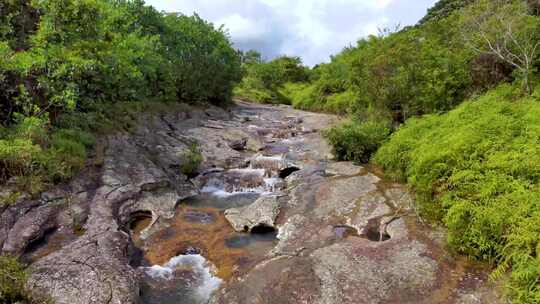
(269, 218)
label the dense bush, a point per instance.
(39, 157)
(354, 141)
(478, 169)
(67, 67)
(264, 81)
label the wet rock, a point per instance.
(218, 113)
(235, 180)
(271, 164)
(300, 234)
(262, 212)
(160, 205)
(239, 144)
(199, 217)
(275, 149)
(339, 197)
(11, 214)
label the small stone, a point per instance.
(239, 144)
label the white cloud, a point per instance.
(242, 27)
(312, 29)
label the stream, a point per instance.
(198, 251)
(269, 218)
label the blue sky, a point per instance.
(311, 29)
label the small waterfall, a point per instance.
(261, 177)
(203, 281)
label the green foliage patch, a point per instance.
(478, 169)
(13, 277)
(353, 141)
(191, 161)
(72, 68)
(270, 82)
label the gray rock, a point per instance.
(29, 228)
(92, 270)
(343, 268)
(262, 212)
(345, 169)
(239, 144)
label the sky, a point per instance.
(311, 29)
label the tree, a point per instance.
(504, 28)
(251, 57)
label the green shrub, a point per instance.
(299, 95)
(340, 103)
(478, 169)
(255, 94)
(191, 161)
(38, 157)
(354, 141)
(13, 277)
(272, 81)
(17, 157)
(71, 68)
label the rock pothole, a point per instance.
(261, 229)
(284, 173)
(375, 231)
(41, 241)
(138, 221)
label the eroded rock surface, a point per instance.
(262, 213)
(345, 235)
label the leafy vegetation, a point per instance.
(13, 277)
(357, 141)
(264, 81)
(191, 161)
(463, 83)
(69, 68)
(458, 89)
(478, 169)
(506, 30)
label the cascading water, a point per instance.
(200, 224)
(188, 277)
(261, 177)
(198, 250)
